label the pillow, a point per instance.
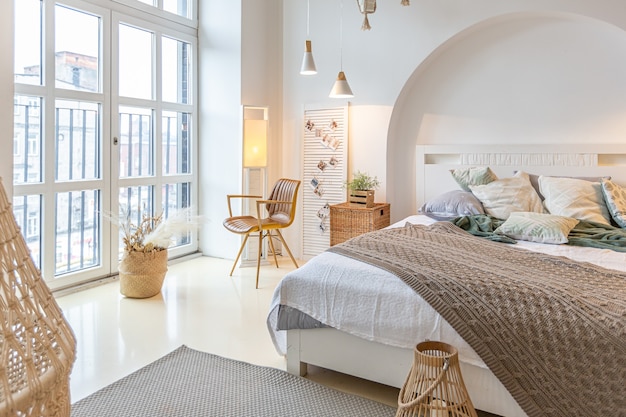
(473, 176)
(502, 197)
(570, 197)
(534, 180)
(615, 199)
(452, 204)
(537, 227)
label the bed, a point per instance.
(339, 320)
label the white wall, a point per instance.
(6, 95)
(460, 72)
(240, 64)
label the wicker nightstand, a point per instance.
(348, 220)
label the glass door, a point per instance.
(104, 125)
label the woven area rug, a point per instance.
(187, 382)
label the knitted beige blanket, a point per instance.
(551, 329)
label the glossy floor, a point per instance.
(200, 306)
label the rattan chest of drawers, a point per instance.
(348, 220)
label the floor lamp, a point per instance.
(255, 132)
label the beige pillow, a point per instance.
(575, 198)
(537, 227)
(473, 176)
(502, 197)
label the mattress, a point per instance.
(373, 304)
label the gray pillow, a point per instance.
(615, 199)
(452, 204)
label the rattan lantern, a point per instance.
(434, 386)
(37, 345)
(366, 7)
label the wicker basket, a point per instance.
(348, 220)
(37, 345)
(434, 386)
(142, 273)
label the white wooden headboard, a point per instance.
(434, 162)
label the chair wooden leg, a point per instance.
(280, 235)
(269, 237)
(238, 255)
(258, 258)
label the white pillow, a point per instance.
(575, 198)
(502, 197)
(537, 227)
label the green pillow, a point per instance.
(537, 227)
(615, 199)
(473, 176)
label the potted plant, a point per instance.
(361, 188)
(143, 265)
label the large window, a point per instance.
(104, 116)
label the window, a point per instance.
(116, 132)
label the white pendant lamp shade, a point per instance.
(341, 89)
(308, 64)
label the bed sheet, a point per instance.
(374, 304)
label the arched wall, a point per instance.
(518, 78)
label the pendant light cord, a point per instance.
(307, 19)
(341, 35)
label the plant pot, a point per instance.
(142, 273)
(362, 197)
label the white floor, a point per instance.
(200, 306)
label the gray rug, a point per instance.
(187, 382)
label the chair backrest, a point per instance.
(284, 190)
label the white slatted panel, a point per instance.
(325, 132)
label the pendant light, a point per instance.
(341, 88)
(308, 64)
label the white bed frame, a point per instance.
(342, 352)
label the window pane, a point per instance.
(135, 63)
(77, 230)
(136, 142)
(28, 41)
(135, 203)
(176, 71)
(77, 37)
(176, 197)
(27, 211)
(77, 140)
(26, 140)
(175, 143)
(179, 7)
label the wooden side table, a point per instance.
(348, 220)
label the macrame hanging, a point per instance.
(405, 2)
(366, 7)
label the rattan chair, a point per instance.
(37, 345)
(281, 210)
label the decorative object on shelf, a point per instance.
(37, 345)
(341, 88)
(361, 188)
(143, 265)
(366, 7)
(434, 386)
(308, 63)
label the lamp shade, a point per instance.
(308, 64)
(255, 143)
(341, 89)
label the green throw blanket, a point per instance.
(589, 234)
